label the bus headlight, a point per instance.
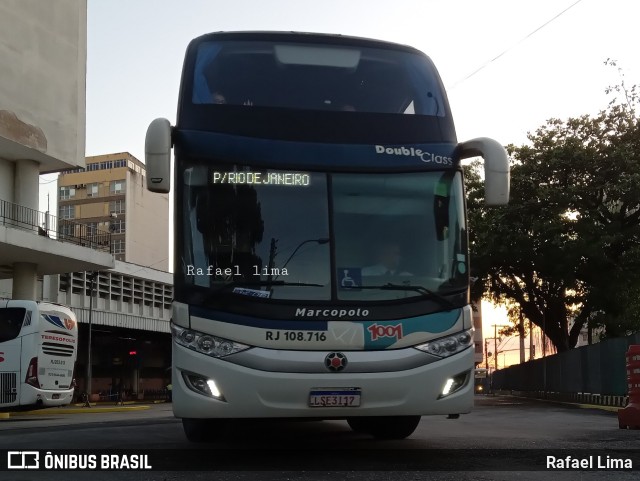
(202, 385)
(454, 384)
(205, 343)
(447, 346)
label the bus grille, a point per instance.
(55, 349)
(8, 387)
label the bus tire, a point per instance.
(358, 425)
(203, 430)
(386, 427)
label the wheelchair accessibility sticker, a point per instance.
(349, 277)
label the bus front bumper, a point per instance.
(252, 393)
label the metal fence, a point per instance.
(596, 369)
(44, 224)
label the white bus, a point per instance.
(321, 253)
(38, 351)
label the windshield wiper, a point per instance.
(250, 284)
(421, 289)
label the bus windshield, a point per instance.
(314, 76)
(296, 235)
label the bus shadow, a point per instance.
(303, 434)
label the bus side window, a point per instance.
(11, 319)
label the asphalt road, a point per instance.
(503, 438)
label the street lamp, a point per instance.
(319, 241)
(92, 280)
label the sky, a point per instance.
(136, 48)
(508, 66)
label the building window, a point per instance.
(116, 226)
(67, 192)
(92, 228)
(117, 187)
(67, 211)
(105, 165)
(64, 282)
(66, 229)
(92, 189)
(117, 246)
(116, 207)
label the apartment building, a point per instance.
(131, 303)
(109, 195)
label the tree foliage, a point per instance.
(566, 250)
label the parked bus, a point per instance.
(38, 350)
(321, 262)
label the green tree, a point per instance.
(567, 247)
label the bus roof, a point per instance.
(310, 37)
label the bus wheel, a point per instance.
(203, 430)
(359, 425)
(386, 427)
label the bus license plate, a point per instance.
(335, 398)
(55, 396)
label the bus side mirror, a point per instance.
(496, 168)
(157, 152)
